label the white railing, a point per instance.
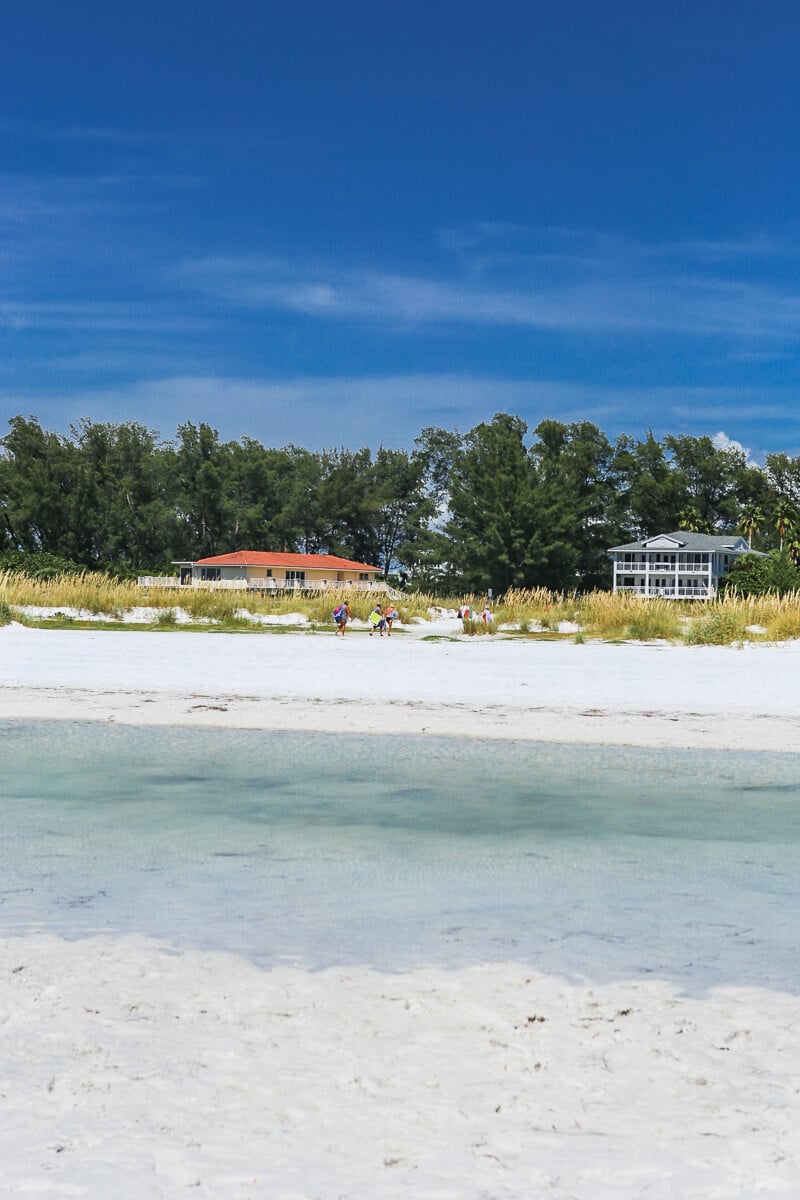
(670, 593)
(264, 585)
(648, 564)
(303, 585)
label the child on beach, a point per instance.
(341, 615)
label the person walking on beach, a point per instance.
(376, 620)
(341, 615)
(389, 616)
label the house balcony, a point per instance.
(640, 565)
(670, 592)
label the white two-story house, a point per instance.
(682, 566)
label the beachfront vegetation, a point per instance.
(759, 575)
(518, 613)
(499, 506)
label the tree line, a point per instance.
(497, 506)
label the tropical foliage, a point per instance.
(499, 506)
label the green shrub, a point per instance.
(719, 627)
(5, 613)
(654, 621)
(759, 575)
(38, 564)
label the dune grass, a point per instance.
(529, 612)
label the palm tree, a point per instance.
(751, 521)
(689, 518)
(784, 517)
(793, 545)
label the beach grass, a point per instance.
(521, 612)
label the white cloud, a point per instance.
(601, 293)
(723, 442)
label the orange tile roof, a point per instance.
(266, 558)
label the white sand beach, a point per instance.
(744, 698)
(133, 1069)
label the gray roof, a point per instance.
(732, 542)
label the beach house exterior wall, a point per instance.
(680, 566)
(268, 571)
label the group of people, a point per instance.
(380, 619)
(466, 613)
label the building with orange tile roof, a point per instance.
(273, 570)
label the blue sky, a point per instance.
(334, 224)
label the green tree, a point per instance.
(709, 479)
(782, 476)
(691, 519)
(431, 560)
(578, 505)
(759, 574)
(258, 491)
(349, 501)
(200, 464)
(650, 490)
(784, 518)
(301, 521)
(401, 507)
(38, 489)
(491, 522)
(751, 521)
(125, 510)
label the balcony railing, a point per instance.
(648, 564)
(264, 585)
(671, 593)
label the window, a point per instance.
(210, 574)
(294, 578)
(364, 576)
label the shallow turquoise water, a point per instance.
(595, 862)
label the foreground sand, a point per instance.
(131, 1070)
(131, 1073)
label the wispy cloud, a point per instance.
(566, 284)
(107, 316)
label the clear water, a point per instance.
(598, 863)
